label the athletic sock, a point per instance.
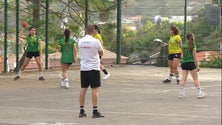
(199, 90)
(82, 109)
(182, 90)
(40, 74)
(95, 109)
(177, 77)
(105, 71)
(170, 76)
(19, 73)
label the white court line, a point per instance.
(125, 113)
(35, 97)
(154, 91)
(42, 123)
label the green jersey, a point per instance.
(67, 50)
(33, 43)
(188, 53)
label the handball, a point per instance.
(24, 24)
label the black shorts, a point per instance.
(90, 78)
(31, 54)
(188, 66)
(176, 55)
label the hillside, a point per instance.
(160, 7)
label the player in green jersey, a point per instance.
(190, 64)
(67, 47)
(34, 49)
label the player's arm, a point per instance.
(101, 53)
(21, 35)
(40, 47)
(195, 59)
(178, 38)
(75, 50)
(181, 45)
(100, 48)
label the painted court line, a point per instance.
(153, 90)
(41, 123)
(118, 113)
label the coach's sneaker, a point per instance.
(17, 77)
(106, 76)
(41, 78)
(97, 115)
(201, 95)
(182, 96)
(167, 81)
(82, 114)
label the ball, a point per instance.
(24, 24)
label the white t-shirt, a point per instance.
(89, 48)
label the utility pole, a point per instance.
(17, 35)
(118, 43)
(46, 33)
(86, 12)
(185, 20)
(6, 36)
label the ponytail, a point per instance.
(190, 38)
(67, 34)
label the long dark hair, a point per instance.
(97, 28)
(176, 31)
(67, 34)
(30, 28)
(190, 38)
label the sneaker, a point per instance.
(82, 114)
(66, 85)
(41, 78)
(97, 115)
(62, 84)
(17, 77)
(182, 96)
(167, 81)
(178, 81)
(201, 95)
(106, 76)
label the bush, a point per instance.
(214, 63)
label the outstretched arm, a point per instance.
(21, 35)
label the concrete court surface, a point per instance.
(133, 95)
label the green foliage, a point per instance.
(214, 63)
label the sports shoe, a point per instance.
(182, 96)
(201, 95)
(97, 115)
(106, 76)
(82, 114)
(41, 78)
(167, 81)
(17, 77)
(178, 81)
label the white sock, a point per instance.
(40, 74)
(182, 90)
(178, 77)
(199, 90)
(19, 73)
(170, 76)
(66, 80)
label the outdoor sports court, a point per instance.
(133, 95)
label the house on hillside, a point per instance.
(208, 55)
